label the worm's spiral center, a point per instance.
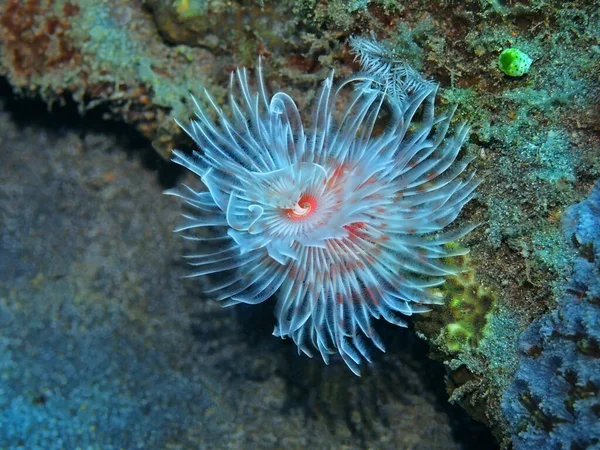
(304, 208)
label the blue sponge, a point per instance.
(554, 401)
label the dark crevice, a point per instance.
(28, 111)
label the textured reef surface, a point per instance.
(554, 400)
(71, 265)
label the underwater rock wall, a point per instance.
(554, 400)
(536, 136)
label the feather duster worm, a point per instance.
(342, 222)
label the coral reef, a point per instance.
(34, 38)
(554, 400)
(461, 322)
(101, 54)
(536, 136)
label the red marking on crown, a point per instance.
(306, 207)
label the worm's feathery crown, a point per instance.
(344, 221)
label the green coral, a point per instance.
(467, 307)
(459, 324)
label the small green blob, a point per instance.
(514, 63)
